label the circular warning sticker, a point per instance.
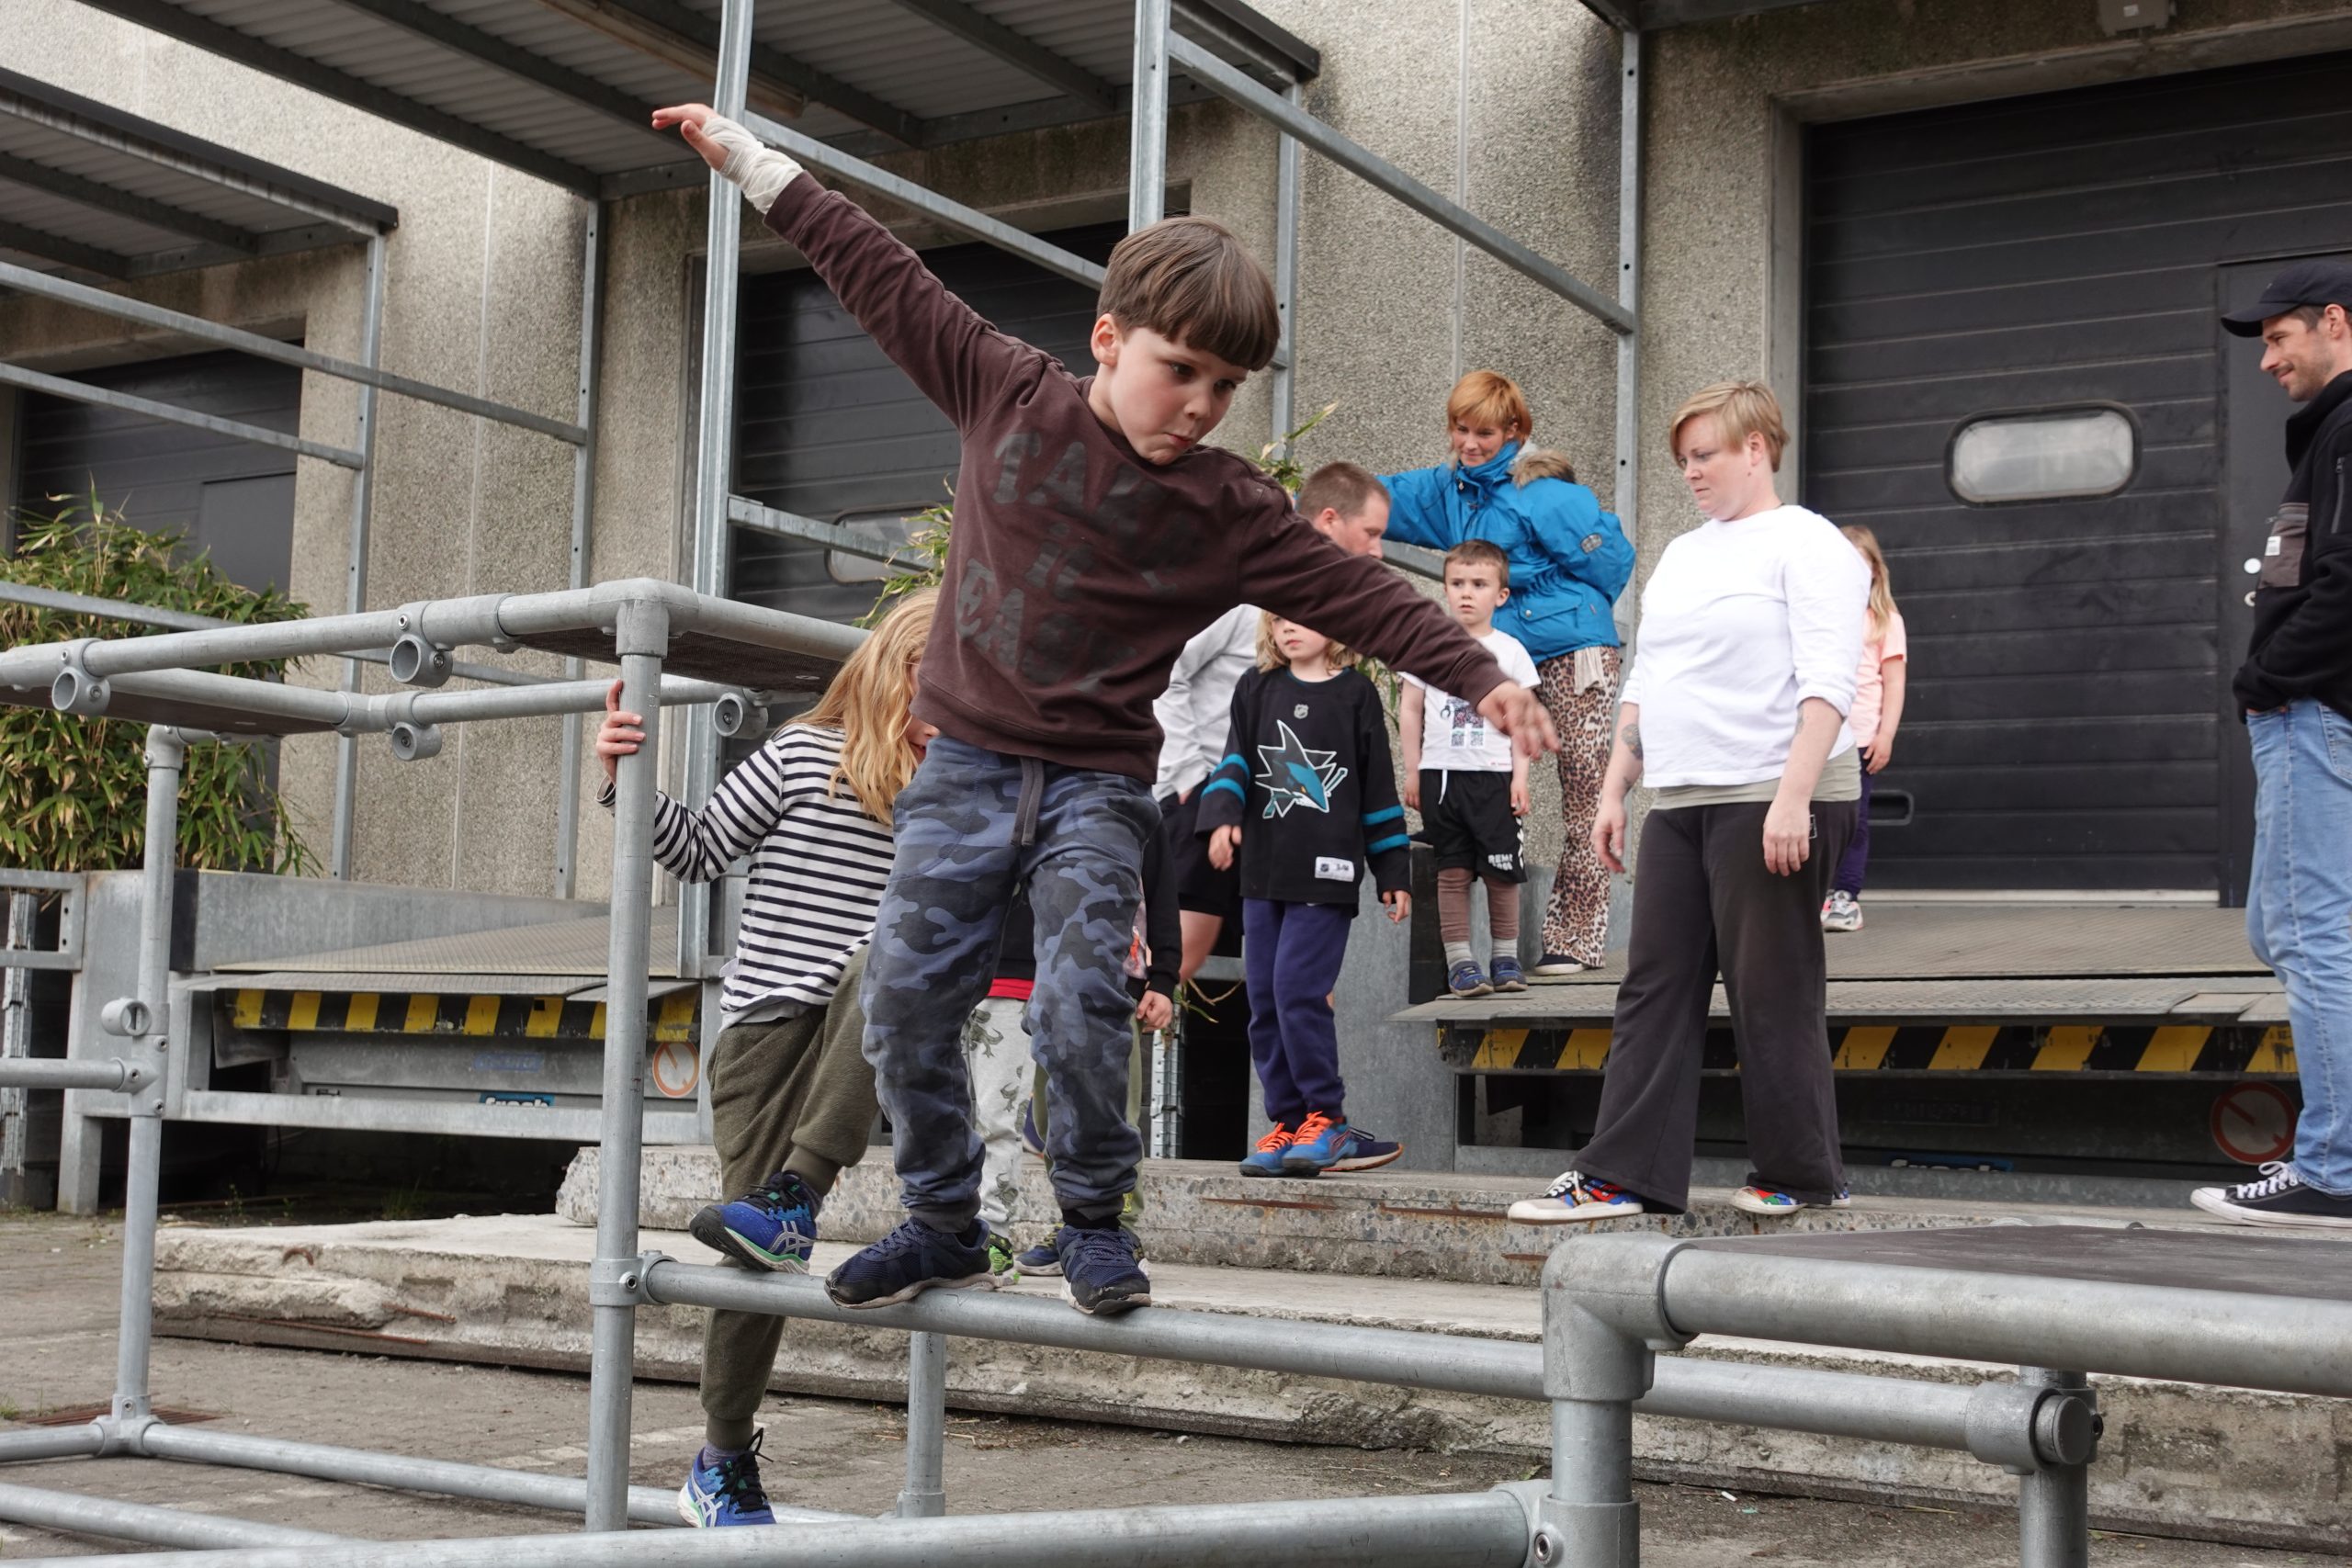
(677, 1069)
(2253, 1123)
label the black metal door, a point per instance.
(828, 428)
(1999, 265)
(230, 498)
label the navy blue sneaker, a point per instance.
(723, 1492)
(1465, 980)
(1324, 1145)
(1503, 972)
(1099, 1270)
(773, 1227)
(1044, 1259)
(909, 1260)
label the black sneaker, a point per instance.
(2278, 1198)
(909, 1260)
(1098, 1269)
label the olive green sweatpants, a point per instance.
(799, 1095)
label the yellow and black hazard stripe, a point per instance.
(673, 1017)
(2197, 1050)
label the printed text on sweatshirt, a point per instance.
(1076, 570)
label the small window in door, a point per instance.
(2043, 455)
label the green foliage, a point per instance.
(73, 791)
(928, 543)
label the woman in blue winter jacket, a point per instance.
(1569, 560)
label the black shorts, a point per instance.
(1468, 821)
(1201, 888)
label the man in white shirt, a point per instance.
(1349, 507)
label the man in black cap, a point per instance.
(2295, 690)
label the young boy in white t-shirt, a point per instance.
(1469, 784)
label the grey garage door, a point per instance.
(827, 427)
(230, 498)
(2015, 377)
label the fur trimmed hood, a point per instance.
(1536, 463)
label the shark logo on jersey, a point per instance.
(1296, 777)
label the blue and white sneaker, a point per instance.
(1266, 1159)
(773, 1227)
(1465, 980)
(1504, 973)
(1044, 1260)
(719, 1493)
(912, 1260)
(1324, 1145)
(1575, 1197)
(1100, 1270)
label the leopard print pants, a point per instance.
(1577, 921)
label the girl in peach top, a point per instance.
(1876, 714)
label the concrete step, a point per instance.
(2179, 1460)
(1366, 1224)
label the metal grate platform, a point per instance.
(555, 947)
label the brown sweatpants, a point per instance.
(794, 1095)
(1576, 923)
(1704, 897)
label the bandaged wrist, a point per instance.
(758, 172)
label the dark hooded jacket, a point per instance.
(2303, 600)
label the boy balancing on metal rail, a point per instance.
(1094, 533)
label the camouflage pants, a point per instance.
(971, 826)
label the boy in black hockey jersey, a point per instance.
(1306, 768)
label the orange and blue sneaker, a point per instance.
(1757, 1199)
(1325, 1143)
(722, 1490)
(1574, 1197)
(1266, 1159)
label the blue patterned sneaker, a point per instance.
(1266, 1159)
(1465, 980)
(1324, 1145)
(1100, 1270)
(1503, 972)
(1575, 1197)
(1757, 1199)
(909, 1260)
(1044, 1260)
(723, 1492)
(774, 1227)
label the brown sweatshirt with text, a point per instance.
(1076, 570)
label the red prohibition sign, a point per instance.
(2253, 1123)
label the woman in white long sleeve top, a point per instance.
(1736, 715)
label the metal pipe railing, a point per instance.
(1478, 1530)
(51, 1442)
(109, 1074)
(75, 1513)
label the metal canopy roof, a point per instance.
(1652, 15)
(87, 188)
(564, 89)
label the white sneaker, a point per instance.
(1841, 912)
(1575, 1197)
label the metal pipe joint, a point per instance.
(74, 689)
(622, 1282)
(1614, 1283)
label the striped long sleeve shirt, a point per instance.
(818, 868)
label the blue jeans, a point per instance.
(971, 826)
(2299, 916)
(1292, 953)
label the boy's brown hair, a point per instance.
(1741, 409)
(1489, 398)
(1345, 488)
(1189, 281)
(1481, 552)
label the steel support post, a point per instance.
(363, 502)
(1593, 1372)
(2055, 1499)
(642, 639)
(1148, 119)
(1627, 499)
(166, 752)
(584, 502)
(1283, 385)
(15, 1043)
(925, 1496)
(715, 444)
